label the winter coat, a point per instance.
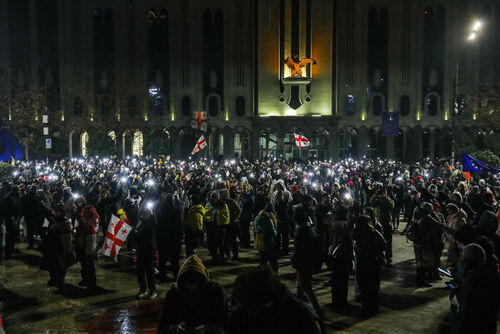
(429, 241)
(217, 213)
(170, 221)
(308, 253)
(341, 248)
(369, 245)
(234, 210)
(479, 301)
(57, 242)
(146, 228)
(384, 208)
(193, 220)
(264, 224)
(86, 236)
(247, 203)
(287, 315)
(208, 305)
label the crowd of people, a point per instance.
(335, 215)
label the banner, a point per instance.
(390, 124)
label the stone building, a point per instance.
(137, 70)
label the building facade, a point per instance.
(134, 72)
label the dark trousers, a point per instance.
(268, 256)
(88, 269)
(388, 239)
(11, 237)
(145, 273)
(231, 239)
(212, 239)
(368, 277)
(31, 230)
(283, 238)
(340, 282)
(245, 232)
(132, 240)
(57, 274)
(169, 250)
(193, 240)
(220, 238)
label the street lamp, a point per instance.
(471, 36)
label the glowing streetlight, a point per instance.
(472, 36)
(477, 25)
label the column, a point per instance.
(389, 148)
(361, 149)
(228, 144)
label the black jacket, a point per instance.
(288, 315)
(207, 307)
(308, 253)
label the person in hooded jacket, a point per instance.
(194, 304)
(264, 305)
(31, 204)
(193, 225)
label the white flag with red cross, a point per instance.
(118, 231)
(301, 141)
(200, 145)
(200, 120)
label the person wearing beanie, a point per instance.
(478, 296)
(194, 304)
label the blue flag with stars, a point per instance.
(474, 165)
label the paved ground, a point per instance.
(28, 305)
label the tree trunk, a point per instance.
(26, 148)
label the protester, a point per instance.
(264, 305)
(86, 244)
(146, 246)
(194, 304)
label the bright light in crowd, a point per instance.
(150, 182)
(123, 179)
(15, 173)
(75, 196)
(149, 205)
(477, 25)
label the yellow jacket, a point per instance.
(217, 214)
(193, 220)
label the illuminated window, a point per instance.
(349, 105)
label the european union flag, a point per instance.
(474, 165)
(390, 124)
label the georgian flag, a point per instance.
(200, 121)
(301, 141)
(200, 145)
(118, 231)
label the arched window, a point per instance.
(240, 106)
(349, 105)
(241, 143)
(319, 144)
(377, 105)
(404, 105)
(213, 106)
(186, 106)
(268, 144)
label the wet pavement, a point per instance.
(28, 305)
